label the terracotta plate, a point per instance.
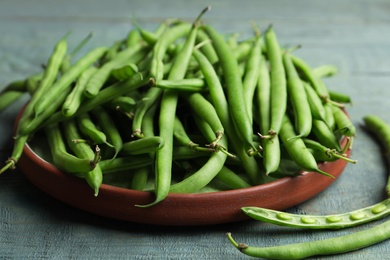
(177, 209)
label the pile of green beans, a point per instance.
(182, 106)
(336, 245)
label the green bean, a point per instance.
(252, 74)
(133, 38)
(181, 136)
(88, 128)
(63, 159)
(329, 117)
(124, 104)
(9, 97)
(339, 97)
(111, 52)
(206, 49)
(109, 128)
(32, 124)
(141, 146)
(316, 105)
(221, 107)
(97, 80)
(76, 96)
(83, 151)
(125, 163)
(271, 147)
(105, 95)
(49, 76)
(382, 131)
(336, 245)
(140, 178)
(323, 153)
(325, 71)
(204, 109)
(125, 71)
(232, 179)
(156, 71)
(315, 81)
(297, 149)
(343, 122)
(325, 135)
(67, 78)
(17, 85)
(235, 95)
(168, 105)
(298, 99)
(242, 50)
(337, 221)
(278, 81)
(17, 151)
(188, 85)
(206, 173)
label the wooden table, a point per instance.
(352, 35)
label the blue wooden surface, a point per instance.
(352, 35)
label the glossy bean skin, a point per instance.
(337, 221)
(298, 99)
(278, 81)
(109, 128)
(343, 122)
(61, 158)
(67, 78)
(221, 106)
(297, 149)
(381, 130)
(234, 93)
(89, 129)
(336, 245)
(105, 95)
(325, 135)
(143, 145)
(76, 96)
(83, 151)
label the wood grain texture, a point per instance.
(352, 35)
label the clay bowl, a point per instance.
(177, 209)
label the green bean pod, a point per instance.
(76, 96)
(126, 163)
(325, 71)
(343, 122)
(325, 135)
(316, 105)
(88, 128)
(235, 94)
(124, 71)
(337, 221)
(141, 146)
(187, 85)
(83, 151)
(298, 99)
(297, 149)
(9, 97)
(67, 78)
(63, 159)
(109, 128)
(278, 81)
(330, 246)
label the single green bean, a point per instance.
(336, 245)
(325, 71)
(76, 96)
(9, 97)
(234, 89)
(336, 221)
(325, 135)
(143, 145)
(188, 85)
(298, 99)
(278, 81)
(343, 122)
